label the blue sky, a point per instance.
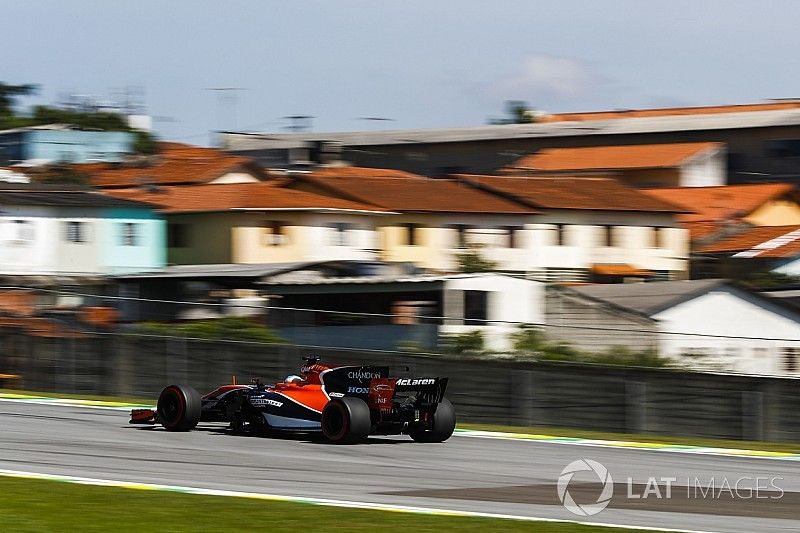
(421, 63)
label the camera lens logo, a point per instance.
(585, 465)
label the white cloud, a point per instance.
(549, 77)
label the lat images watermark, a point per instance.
(585, 487)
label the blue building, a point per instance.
(62, 143)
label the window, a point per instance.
(461, 235)
(607, 235)
(475, 308)
(512, 240)
(76, 231)
(412, 234)
(790, 359)
(274, 233)
(561, 234)
(130, 234)
(659, 237)
(22, 230)
(177, 235)
(340, 233)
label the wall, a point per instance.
(208, 239)
(705, 170)
(38, 255)
(150, 252)
(730, 312)
(525, 394)
(778, 212)
(77, 146)
(579, 321)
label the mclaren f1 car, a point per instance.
(345, 403)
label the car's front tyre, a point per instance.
(178, 408)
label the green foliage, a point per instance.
(61, 175)
(530, 340)
(469, 342)
(228, 328)
(471, 260)
(517, 112)
(144, 142)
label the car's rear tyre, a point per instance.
(442, 426)
(346, 420)
(179, 408)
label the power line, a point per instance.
(406, 316)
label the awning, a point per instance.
(621, 269)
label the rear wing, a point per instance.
(430, 390)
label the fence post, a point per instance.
(752, 415)
(635, 407)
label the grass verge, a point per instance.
(43, 505)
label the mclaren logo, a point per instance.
(412, 382)
(360, 374)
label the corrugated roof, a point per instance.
(726, 202)
(639, 156)
(571, 128)
(761, 242)
(222, 270)
(62, 197)
(649, 298)
(408, 194)
(238, 196)
(600, 194)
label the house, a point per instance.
(174, 164)
(642, 165)
(710, 324)
(62, 143)
(761, 140)
(64, 231)
(391, 312)
(434, 220)
(718, 212)
(758, 249)
(592, 229)
(258, 223)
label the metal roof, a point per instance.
(650, 298)
(617, 126)
(221, 270)
(63, 198)
(372, 280)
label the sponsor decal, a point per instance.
(361, 374)
(381, 387)
(358, 390)
(336, 394)
(412, 382)
(261, 402)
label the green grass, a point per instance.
(41, 505)
(791, 447)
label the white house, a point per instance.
(714, 324)
(63, 231)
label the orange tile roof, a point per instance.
(236, 196)
(175, 164)
(363, 172)
(600, 194)
(18, 302)
(721, 203)
(669, 155)
(410, 194)
(762, 241)
(39, 327)
(670, 111)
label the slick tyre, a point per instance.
(346, 420)
(178, 408)
(442, 427)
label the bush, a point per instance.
(228, 328)
(470, 342)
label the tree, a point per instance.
(471, 260)
(9, 94)
(517, 112)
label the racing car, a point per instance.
(345, 403)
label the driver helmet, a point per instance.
(293, 379)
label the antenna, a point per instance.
(226, 97)
(300, 123)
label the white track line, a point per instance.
(316, 501)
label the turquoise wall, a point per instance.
(150, 250)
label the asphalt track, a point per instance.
(466, 473)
